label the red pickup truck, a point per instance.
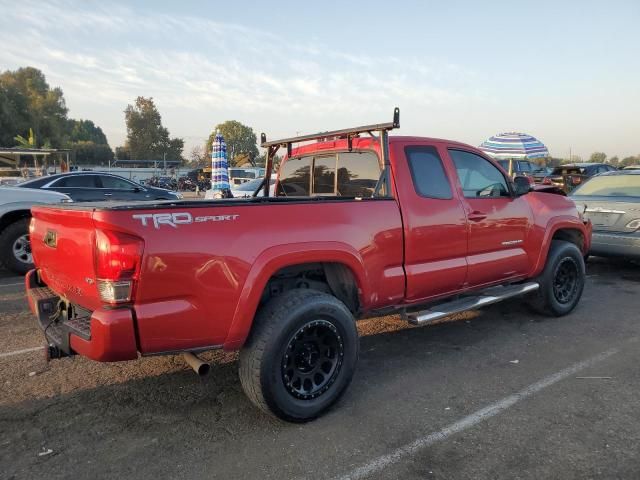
(361, 224)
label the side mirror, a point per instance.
(522, 186)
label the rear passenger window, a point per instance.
(324, 175)
(358, 174)
(76, 181)
(427, 172)
(348, 174)
(295, 178)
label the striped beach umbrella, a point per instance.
(514, 145)
(219, 165)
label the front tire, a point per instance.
(300, 356)
(15, 247)
(562, 280)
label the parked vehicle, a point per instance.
(540, 173)
(412, 225)
(95, 186)
(516, 167)
(631, 167)
(15, 214)
(238, 176)
(245, 190)
(567, 177)
(612, 202)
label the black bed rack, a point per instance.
(381, 129)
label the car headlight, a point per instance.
(634, 224)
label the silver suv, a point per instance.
(15, 214)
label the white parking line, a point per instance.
(492, 410)
(12, 284)
(19, 352)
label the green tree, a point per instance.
(261, 161)
(197, 158)
(88, 142)
(241, 142)
(614, 161)
(91, 153)
(147, 139)
(598, 157)
(626, 161)
(27, 101)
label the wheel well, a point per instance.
(570, 235)
(11, 217)
(333, 278)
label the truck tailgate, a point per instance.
(62, 244)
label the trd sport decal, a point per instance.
(181, 218)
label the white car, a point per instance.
(15, 214)
(246, 189)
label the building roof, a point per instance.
(31, 151)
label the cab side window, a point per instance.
(427, 173)
(479, 177)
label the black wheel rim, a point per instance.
(312, 359)
(565, 280)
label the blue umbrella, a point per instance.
(514, 145)
(219, 166)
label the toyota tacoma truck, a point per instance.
(361, 223)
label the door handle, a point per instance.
(476, 216)
(108, 194)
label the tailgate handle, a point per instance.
(51, 239)
(108, 194)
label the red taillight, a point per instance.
(546, 181)
(532, 182)
(117, 264)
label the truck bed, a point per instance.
(205, 263)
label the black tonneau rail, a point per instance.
(222, 202)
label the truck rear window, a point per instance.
(347, 174)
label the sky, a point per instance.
(565, 72)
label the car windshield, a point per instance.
(239, 173)
(251, 185)
(610, 186)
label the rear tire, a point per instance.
(561, 282)
(300, 356)
(15, 247)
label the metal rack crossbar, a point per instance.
(348, 133)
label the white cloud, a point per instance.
(106, 55)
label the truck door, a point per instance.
(499, 222)
(435, 229)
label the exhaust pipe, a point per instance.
(200, 367)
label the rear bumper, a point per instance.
(615, 244)
(102, 335)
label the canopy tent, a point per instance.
(514, 145)
(15, 158)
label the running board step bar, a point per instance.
(481, 299)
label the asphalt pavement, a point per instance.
(497, 393)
